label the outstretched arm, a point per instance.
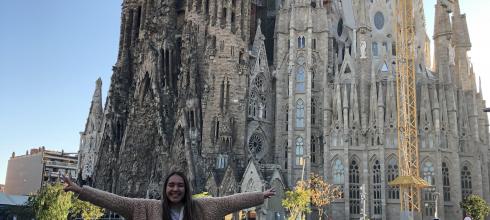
(121, 205)
(229, 204)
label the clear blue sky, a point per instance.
(52, 51)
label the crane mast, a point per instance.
(409, 179)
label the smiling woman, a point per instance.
(176, 203)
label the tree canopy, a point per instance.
(475, 206)
(52, 203)
(298, 200)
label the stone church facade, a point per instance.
(247, 94)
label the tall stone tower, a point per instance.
(137, 130)
(90, 137)
(301, 56)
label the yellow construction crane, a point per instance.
(409, 179)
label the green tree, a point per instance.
(52, 203)
(322, 193)
(85, 209)
(298, 200)
(475, 206)
(201, 195)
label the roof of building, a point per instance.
(14, 200)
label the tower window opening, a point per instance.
(354, 188)
(375, 49)
(300, 114)
(299, 151)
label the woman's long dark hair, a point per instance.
(187, 200)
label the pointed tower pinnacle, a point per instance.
(479, 85)
(259, 38)
(96, 113)
(456, 9)
(460, 28)
(442, 36)
(363, 17)
(96, 107)
(442, 25)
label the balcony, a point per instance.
(61, 164)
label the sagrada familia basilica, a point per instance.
(244, 95)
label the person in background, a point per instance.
(176, 202)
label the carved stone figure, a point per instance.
(363, 50)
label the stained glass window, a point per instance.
(300, 114)
(379, 20)
(300, 80)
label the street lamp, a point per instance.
(363, 199)
(486, 110)
(436, 197)
(303, 163)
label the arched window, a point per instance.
(221, 161)
(338, 174)
(312, 79)
(375, 49)
(300, 80)
(252, 105)
(391, 174)
(259, 82)
(466, 185)
(264, 107)
(446, 186)
(354, 188)
(299, 151)
(301, 42)
(300, 114)
(428, 172)
(427, 193)
(376, 187)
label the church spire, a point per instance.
(462, 44)
(259, 38)
(96, 113)
(460, 28)
(442, 35)
(456, 8)
(442, 25)
(363, 18)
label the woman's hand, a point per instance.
(269, 193)
(70, 186)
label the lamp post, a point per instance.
(363, 200)
(303, 163)
(436, 197)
